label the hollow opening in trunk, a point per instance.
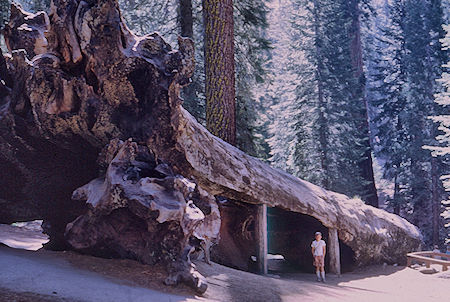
(290, 235)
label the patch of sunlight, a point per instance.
(23, 235)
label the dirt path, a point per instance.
(61, 276)
(396, 284)
(42, 276)
(37, 273)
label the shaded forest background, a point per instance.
(348, 94)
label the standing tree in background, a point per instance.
(186, 25)
(279, 91)
(443, 99)
(409, 62)
(252, 49)
(387, 78)
(185, 18)
(362, 117)
(321, 124)
(219, 69)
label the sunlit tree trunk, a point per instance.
(219, 69)
(366, 164)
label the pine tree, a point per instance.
(365, 163)
(279, 92)
(443, 99)
(326, 111)
(407, 67)
(251, 52)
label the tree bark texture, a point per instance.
(366, 164)
(219, 69)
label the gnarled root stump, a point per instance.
(141, 210)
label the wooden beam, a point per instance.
(261, 233)
(333, 251)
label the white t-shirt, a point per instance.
(318, 247)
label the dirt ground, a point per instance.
(376, 283)
(43, 276)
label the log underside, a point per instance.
(76, 86)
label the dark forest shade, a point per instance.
(185, 18)
(186, 29)
(219, 69)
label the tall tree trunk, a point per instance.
(366, 165)
(185, 18)
(219, 69)
(435, 201)
(396, 202)
(322, 122)
(186, 21)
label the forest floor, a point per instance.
(67, 276)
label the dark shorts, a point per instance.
(319, 261)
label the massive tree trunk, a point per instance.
(94, 140)
(366, 164)
(219, 69)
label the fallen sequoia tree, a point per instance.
(94, 140)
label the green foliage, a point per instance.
(326, 143)
(443, 98)
(251, 51)
(408, 61)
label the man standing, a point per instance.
(319, 250)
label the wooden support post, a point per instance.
(261, 233)
(333, 252)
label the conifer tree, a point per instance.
(407, 66)
(328, 110)
(251, 52)
(443, 99)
